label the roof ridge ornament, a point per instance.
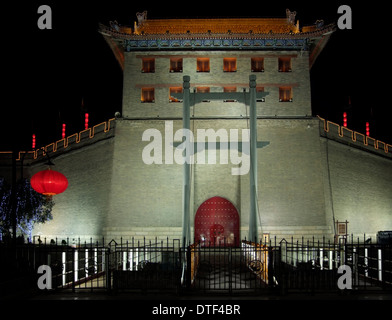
(114, 25)
(141, 18)
(319, 24)
(290, 16)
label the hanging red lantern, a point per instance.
(345, 119)
(86, 116)
(367, 129)
(33, 142)
(63, 131)
(49, 182)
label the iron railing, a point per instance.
(145, 265)
(317, 265)
(73, 264)
(283, 267)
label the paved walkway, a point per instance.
(68, 294)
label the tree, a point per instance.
(31, 207)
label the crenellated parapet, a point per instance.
(336, 132)
(75, 141)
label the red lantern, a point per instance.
(345, 119)
(63, 131)
(33, 142)
(49, 182)
(86, 121)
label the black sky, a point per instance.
(49, 72)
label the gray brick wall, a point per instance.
(82, 209)
(361, 188)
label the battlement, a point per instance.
(333, 131)
(89, 136)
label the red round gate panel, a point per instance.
(217, 223)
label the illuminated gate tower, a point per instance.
(235, 76)
(218, 55)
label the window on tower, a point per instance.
(148, 65)
(229, 64)
(257, 64)
(175, 64)
(203, 90)
(285, 94)
(174, 90)
(203, 64)
(148, 95)
(230, 89)
(285, 64)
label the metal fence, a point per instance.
(317, 265)
(76, 265)
(283, 267)
(145, 265)
(80, 265)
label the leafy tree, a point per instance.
(31, 207)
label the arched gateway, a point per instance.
(217, 223)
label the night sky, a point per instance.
(49, 72)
